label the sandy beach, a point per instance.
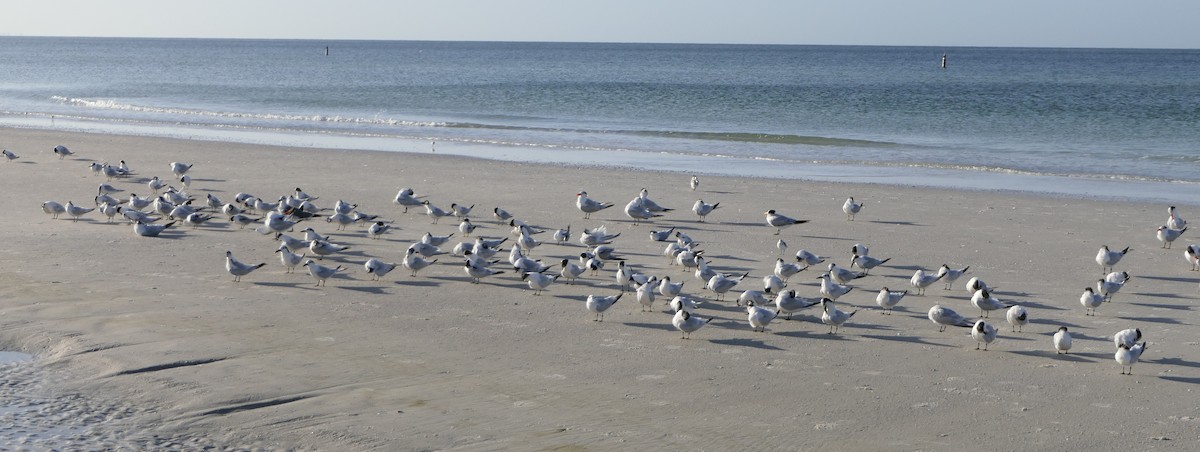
(155, 331)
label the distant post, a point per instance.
(943, 60)
(327, 54)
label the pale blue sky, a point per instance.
(1041, 23)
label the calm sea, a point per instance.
(1110, 123)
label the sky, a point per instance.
(1008, 23)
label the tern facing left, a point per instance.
(851, 208)
(1128, 356)
(239, 269)
(983, 333)
(834, 317)
(688, 323)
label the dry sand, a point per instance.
(154, 336)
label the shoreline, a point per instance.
(434, 362)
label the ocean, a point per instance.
(1098, 123)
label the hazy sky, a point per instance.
(1040, 23)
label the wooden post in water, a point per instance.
(327, 54)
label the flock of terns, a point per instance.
(286, 213)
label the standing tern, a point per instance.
(983, 333)
(1174, 221)
(987, 303)
(834, 317)
(406, 198)
(1127, 338)
(239, 269)
(888, 299)
(588, 205)
(377, 268)
(1017, 317)
(289, 259)
(832, 290)
(921, 280)
(1062, 340)
(1168, 235)
(434, 211)
(851, 208)
(54, 209)
(950, 275)
(320, 272)
(414, 262)
(702, 209)
(695, 183)
(76, 211)
(688, 323)
(1090, 300)
(62, 152)
(779, 222)
(538, 282)
(1107, 259)
(787, 302)
(598, 305)
(759, 317)
(945, 317)
(637, 211)
(1128, 356)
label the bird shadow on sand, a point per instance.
(1172, 296)
(821, 237)
(1164, 306)
(896, 223)
(752, 343)
(1192, 380)
(1036, 305)
(293, 285)
(1170, 278)
(1075, 358)
(1165, 320)
(908, 339)
(417, 283)
(1174, 362)
(823, 334)
(377, 290)
(652, 326)
(735, 223)
(204, 179)
(1055, 322)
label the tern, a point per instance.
(720, 284)
(321, 272)
(645, 294)
(851, 208)
(461, 211)
(195, 219)
(406, 198)
(773, 284)
(695, 183)
(702, 209)
(10, 156)
(1107, 259)
(787, 302)
(779, 222)
(1017, 317)
(588, 205)
(341, 219)
(682, 303)
(785, 270)
(945, 317)
(1062, 340)
(377, 229)
(888, 299)
(138, 203)
(239, 269)
(808, 259)
(180, 168)
(1192, 256)
(213, 202)
(983, 333)
(538, 282)
(598, 236)
(662, 236)
(637, 211)
(502, 216)
(975, 284)
(832, 290)
(867, 262)
(649, 204)
(782, 245)
(841, 275)
(323, 248)
(62, 152)
(377, 268)
(434, 211)
(752, 295)
(598, 305)
(54, 209)
(570, 270)
(156, 184)
(759, 317)
(950, 275)
(292, 243)
(1174, 221)
(561, 236)
(667, 288)
(289, 259)
(150, 230)
(436, 240)
(466, 227)
(1128, 356)
(688, 323)
(478, 272)
(109, 210)
(834, 317)
(1168, 235)
(1090, 300)
(1127, 338)
(135, 216)
(1108, 288)
(415, 263)
(75, 211)
(986, 303)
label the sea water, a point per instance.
(1109, 123)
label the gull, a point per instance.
(888, 299)
(321, 272)
(239, 269)
(682, 303)
(561, 236)
(945, 317)
(1107, 259)
(75, 211)
(688, 323)
(1090, 300)
(1128, 356)
(588, 205)
(461, 211)
(720, 284)
(667, 288)
(649, 204)
(435, 240)
(808, 258)
(1062, 340)
(377, 268)
(109, 210)
(785, 270)
(787, 302)
(415, 263)
(10, 156)
(478, 272)
(1168, 235)
(341, 219)
(598, 305)
(986, 303)
(951, 275)
(292, 243)
(62, 151)
(662, 236)
(841, 275)
(322, 248)
(834, 317)
(752, 295)
(570, 270)
(1017, 317)
(867, 262)
(150, 230)
(645, 294)
(135, 216)
(1192, 255)
(54, 209)
(434, 211)
(180, 168)
(213, 201)
(426, 249)
(598, 236)
(407, 198)
(636, 211)
(1175, 221)
(772, 284)
(831, 289)
(983, 333)
(156, 184)
(195, 219)
(760, 317)
(289, 259)
(138, 203)
(1108, 288)
(377, 229)
(782, 245)
(106, 188)
(466, 227)
(501, 215)
(851, 208)
(695, 183)
(537, 281)
(702, 209)
(1127, 338)
(779, 222)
